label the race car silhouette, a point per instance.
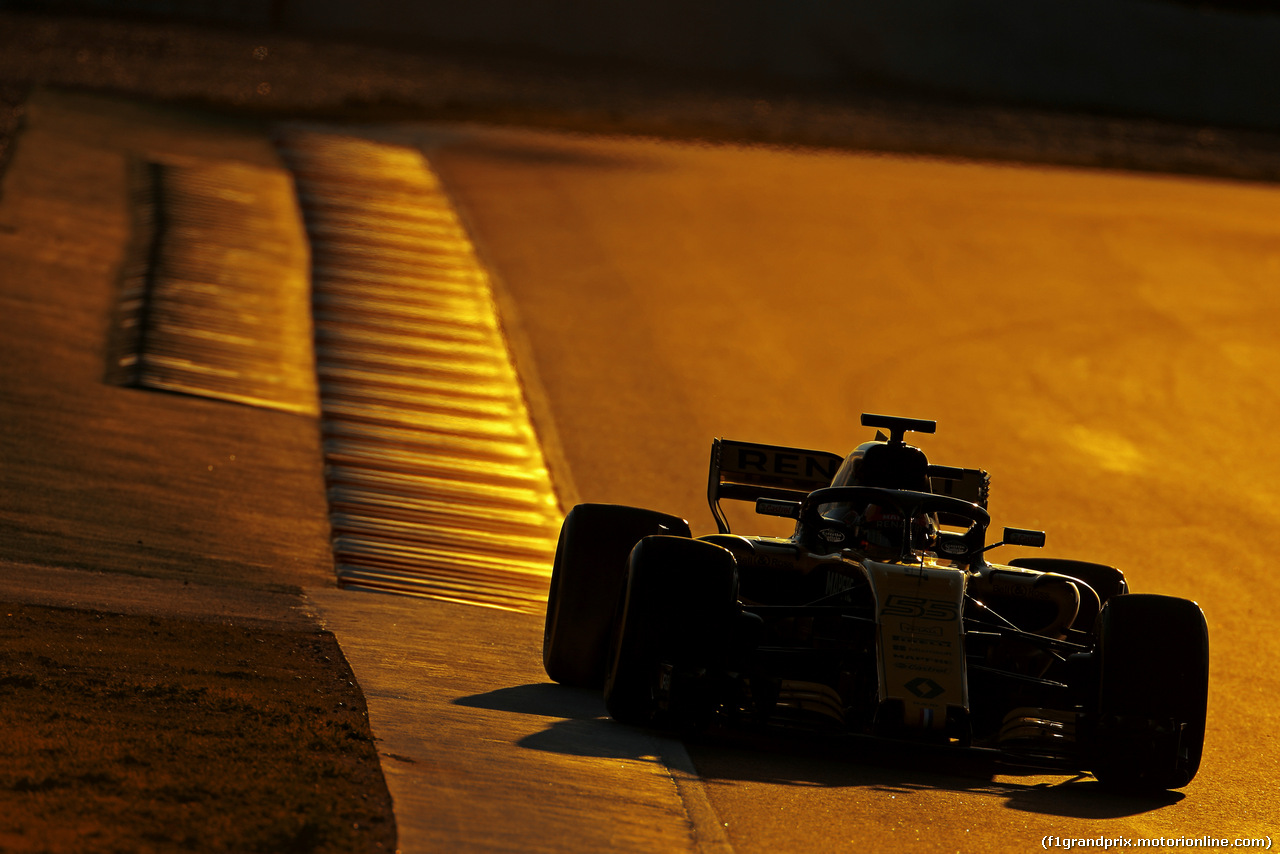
(879, 615)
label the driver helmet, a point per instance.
(878, 530)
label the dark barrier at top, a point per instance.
(1196, 62)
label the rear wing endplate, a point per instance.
(972, 485)
(746, 471)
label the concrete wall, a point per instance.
(1137, 57)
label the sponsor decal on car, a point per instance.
(920, 635)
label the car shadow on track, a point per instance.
(579, 726)
(849, 761)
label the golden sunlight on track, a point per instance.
(436, 483)
(1104, 344)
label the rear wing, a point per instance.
(972, 485)
(746, 471)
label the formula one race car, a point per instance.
(879, 615)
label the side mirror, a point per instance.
(778, 507)
(1023, 537)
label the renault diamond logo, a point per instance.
(925, 689)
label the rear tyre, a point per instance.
(586, 580)
(1153, 693)
(673, 633)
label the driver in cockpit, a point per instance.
(877, 529)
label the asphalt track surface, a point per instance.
(1103, 343)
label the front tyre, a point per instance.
(1153, 693)
(586, 580)
(673, 632)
